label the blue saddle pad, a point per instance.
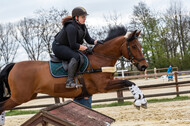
(56, 71)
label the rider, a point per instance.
(70, 39)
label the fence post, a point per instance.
(57, 100)
(122, 73)
(176, 81)
(120, 96)
(155, 74)
(145, 73)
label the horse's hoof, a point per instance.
(144, 106)
(73, 86)
(137, 107)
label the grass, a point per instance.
(180, 98)
(24, 112)
(20, 112)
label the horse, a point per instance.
(26, 79)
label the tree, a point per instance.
(178, 22)
(50, 24)
(37, 34)
(28, 35)
(165, 38)
(143, 19)
(153, 47)
(114, 19)
(8, 44)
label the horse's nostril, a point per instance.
(143, 68)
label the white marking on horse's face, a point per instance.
(127, 35)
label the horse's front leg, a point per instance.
(137, 93)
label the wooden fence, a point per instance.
(120, 97)
(156, 72)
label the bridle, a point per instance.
(130, 59)
(130, 54)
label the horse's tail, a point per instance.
(4, 80)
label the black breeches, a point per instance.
(64, 53)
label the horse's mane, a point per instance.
(115, 32)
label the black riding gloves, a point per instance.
(89, 50)
(100, 41)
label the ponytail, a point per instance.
(66, 19)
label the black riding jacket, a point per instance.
(73, 34)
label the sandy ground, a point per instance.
(158, 114)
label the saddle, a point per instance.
(59, 68)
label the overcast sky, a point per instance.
(14, 10)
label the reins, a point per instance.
(131, 56)
(110, 57)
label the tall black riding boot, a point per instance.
(72, 68)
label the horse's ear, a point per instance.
(138, 33)
(134, 33)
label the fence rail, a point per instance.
(120, 97)
(154, 72)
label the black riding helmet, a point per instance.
(79, 11)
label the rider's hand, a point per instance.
(82, 47)
(89, 50)
(100, 41)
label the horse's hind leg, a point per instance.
(7, 105)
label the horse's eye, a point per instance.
(134, 46)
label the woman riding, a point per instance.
(70, 39)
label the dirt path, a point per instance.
(158, 114)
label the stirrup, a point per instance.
(73, 85)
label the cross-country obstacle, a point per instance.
(69, 113)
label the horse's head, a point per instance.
(131, 49)
(114, 46)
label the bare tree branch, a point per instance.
(9, 46)
(28, 35)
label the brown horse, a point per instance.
(28, 78)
